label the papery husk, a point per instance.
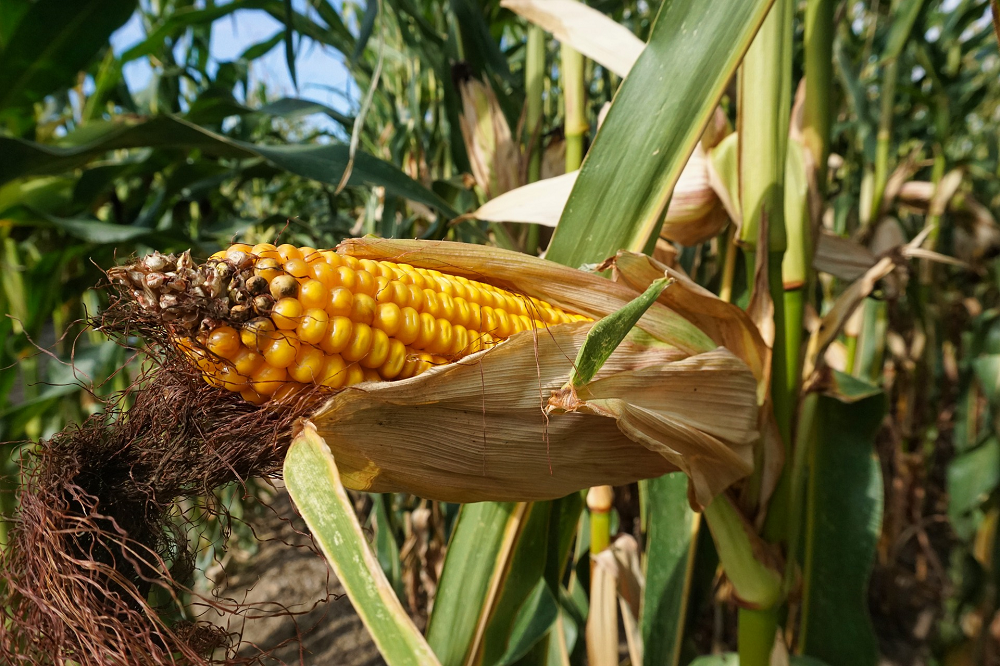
(499, 425)
(695, 213)
(493, 154)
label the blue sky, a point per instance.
(320, 69)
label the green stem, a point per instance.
(819, 78)
(797, 485)
(756, 583)
(755, 636)
(534, 82)
(574, 96)
(534, 85)
(884, 137)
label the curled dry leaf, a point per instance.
(494, 155)
(587, 30)
(497, 425)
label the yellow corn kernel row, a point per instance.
(334, 320)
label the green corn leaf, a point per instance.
(324, 163)
(313, 482)
(673, 527)
(533, 622)
(652, 127)
(608, 333)
(52, 42)
(479, 547)
(845, 488)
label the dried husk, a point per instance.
(695, 213)
(500, 425)
(494, 156)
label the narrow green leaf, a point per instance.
(290, 42)
(313, 482)
(972, 477)
(367, 25)
(652, 127)
(324, 163)
(534, 619)
(482, 534)
(52, 42)
(845, 489)
(672, 529)
(608, 333)
(904, 17)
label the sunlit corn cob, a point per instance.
(275, 320)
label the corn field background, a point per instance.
(832, 167)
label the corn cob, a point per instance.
(270, 321)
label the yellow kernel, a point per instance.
(366, 283)
(332, 258)
(359, 344)
(371, 375)
(257, 333)
(379, 351)
(444, 285)
(489, 316)
(311, 255)
(355, 375)
(446, 307)
(386, 269)
(410, 363)
(444, 339)
(239, 247)
(261, 248)
(347, 278)
(393, 365)
(504, 326)
(415, 297)
(349, 261)
(325, 273)
(363, 309)
(287, 313)
(289, 252)
(388, 317)
(409, 326)
(475, 321)
(460, 341)
(463, 311)
(297, 268)
(459, 290)
(312, 328)
(432, 305)
(338, 335)
(253, 397)
(428, 330)
(417, 280)
(268, 268)
(381, 282)
(224, 341)
(370, 266)
(341, 302)
(309, 365)
(247, 362)
(287, 391)
(268, 379)
(335, 372)
(313, 294)
(221, 254)
(282, 351)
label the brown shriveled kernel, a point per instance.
(262, 304)
(257, 285)
(284, 286)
